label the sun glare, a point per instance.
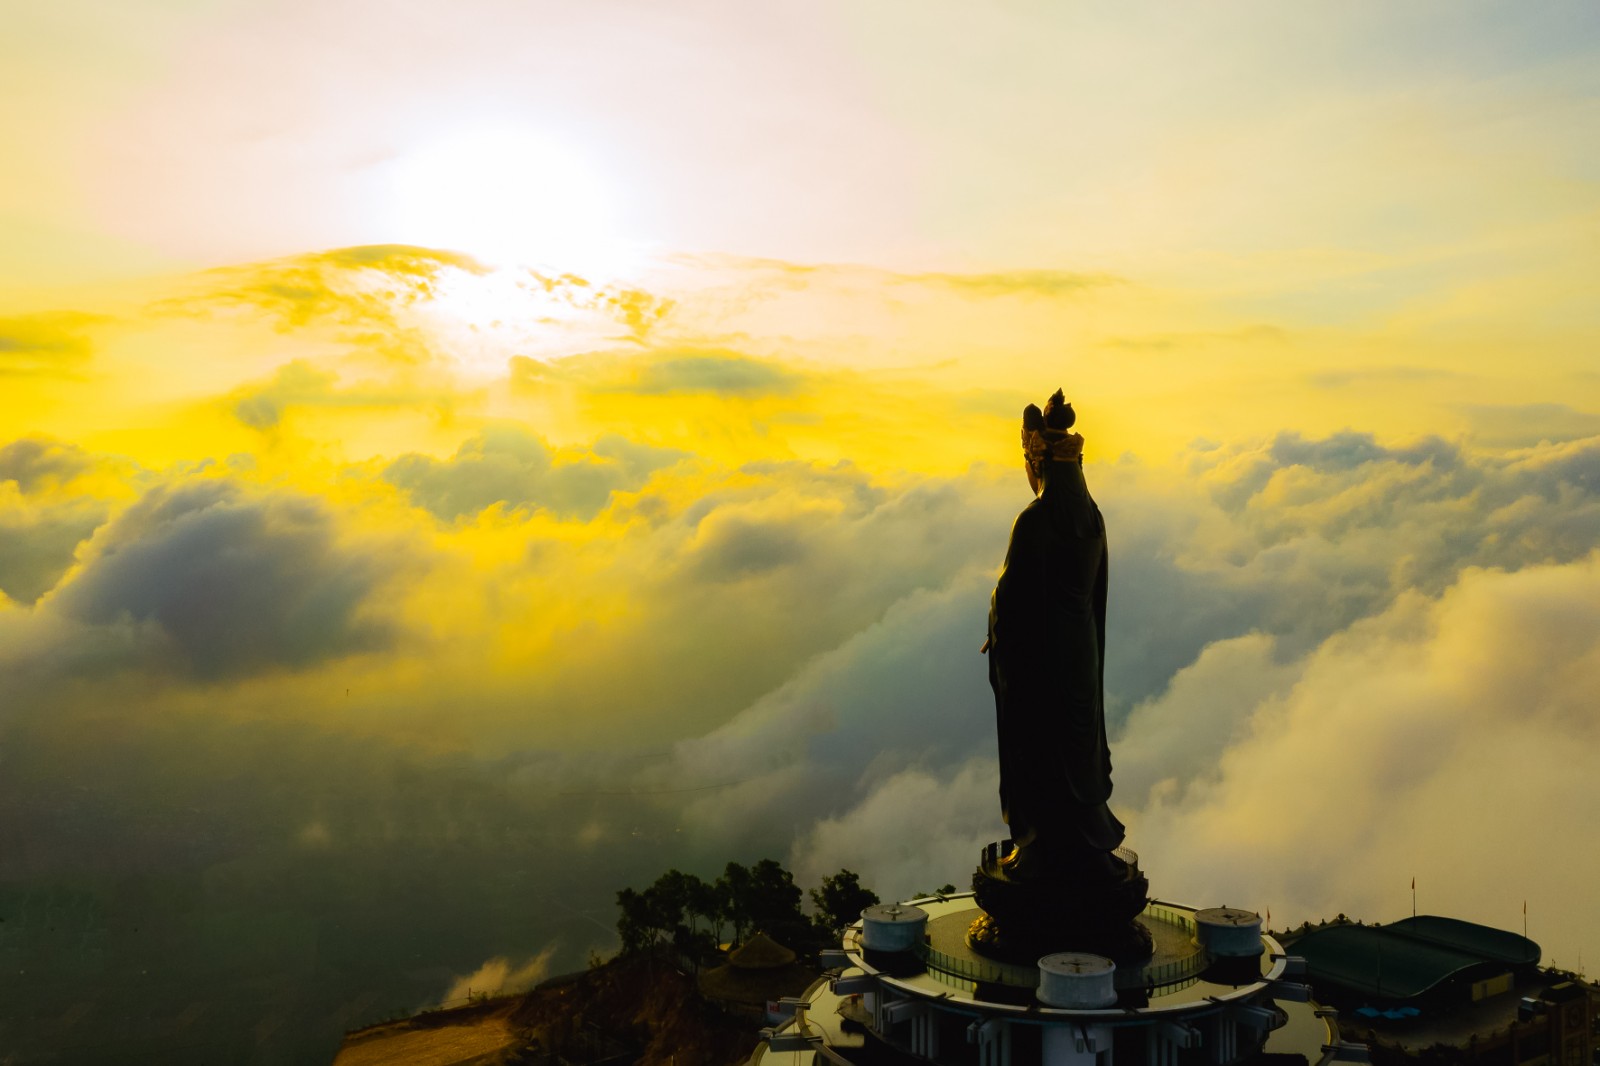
(508, 195)
(489, 317)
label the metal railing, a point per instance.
(975, 969)
(966, 972)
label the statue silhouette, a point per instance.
(1046, 658)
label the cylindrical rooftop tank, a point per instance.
(1228, 932)
(1076, 981)
(892, 926)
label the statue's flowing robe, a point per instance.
(1046, 656)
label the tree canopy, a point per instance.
(690, 915)
(839, 900)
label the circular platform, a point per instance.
(1065, 1005)
(1177, 957)
(1177, 977)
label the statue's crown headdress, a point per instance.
(1045, 433)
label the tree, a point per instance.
(666, 900)
(764, 897)
(703, 902)
(655, 915)
(733, 893)
(680, 899)
(774, 907)
(839, 900)
(774, 897)
(634, 927)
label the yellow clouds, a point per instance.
(689, 596)
(36, 465)
(670, 372)
(715, 402)
(506, 465)
(529, 478)
(359, 287)
(420, 506)
(352, 352)
(355, 586)
(351, 412)
(421, 294)
(48, 344)
(1045, 283)
(369, 352)
(40, 524)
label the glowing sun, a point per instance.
(508, 195)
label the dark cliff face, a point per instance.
(640, 1009)
(642, 1005)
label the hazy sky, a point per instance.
(457, 460)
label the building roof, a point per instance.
(1410, 957)
(760, 952)
(730, 984)
(1470, 937)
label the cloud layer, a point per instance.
(1445, 738)
(462, 598)
(230, 582)
(506, 465)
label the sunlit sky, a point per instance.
(438, 436)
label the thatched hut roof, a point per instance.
(760, 952)
(726, 984)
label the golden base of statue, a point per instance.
(1037, 904)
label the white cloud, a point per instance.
(499, 977)
(915, 830)
(909, 689)
(1450, 739)
(1182, 734)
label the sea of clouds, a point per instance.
(283, 755)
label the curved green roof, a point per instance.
(1406, 959)
(1470, 937)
